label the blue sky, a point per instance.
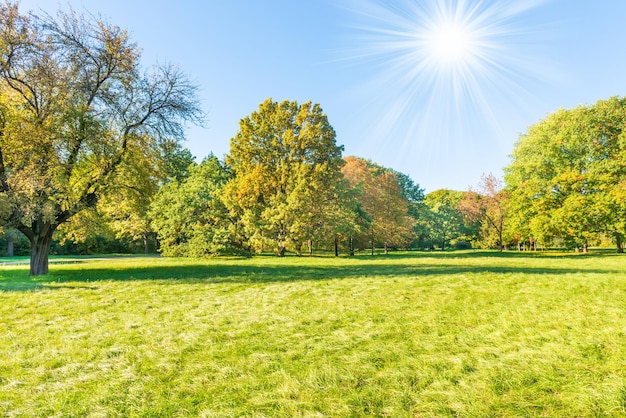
(367, 64)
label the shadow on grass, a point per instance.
(480, 254)
(417, 265)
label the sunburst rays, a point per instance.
(444, 69)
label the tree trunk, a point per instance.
(310, 247)
(10, 251)
(336, 246)
(585, 248)
(40, 239)
(281, 250)
(351, 245)
(619, 243)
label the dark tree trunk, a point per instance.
(10, 251)
(619, 243)
(40, 237)
(281, 250)
(336, 246)
(310, 247)
(351, 245)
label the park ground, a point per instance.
(473, 334)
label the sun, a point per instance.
(444, 71)
(450, 43)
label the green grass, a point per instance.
(473, 334)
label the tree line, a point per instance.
(285, 184)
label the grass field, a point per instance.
(407, 335)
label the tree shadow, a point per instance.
(414, 265)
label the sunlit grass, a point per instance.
(460, 334)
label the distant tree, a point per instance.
(126, 203)
(286, 167)
(189, 216)
(442, 217)
(487, 205)
(383, 200)
(73, 101)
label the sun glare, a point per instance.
(445, 70)
(450, 43)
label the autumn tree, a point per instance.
(384, 202)
(488, 205)
(73, 101)
(286, 168)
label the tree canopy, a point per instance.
(567, 177)
(74, 101)
(286, 167)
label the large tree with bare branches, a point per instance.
(73, 102)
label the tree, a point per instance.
(189, 216)
(126, 203)
(286, 169)
(443, 218)
(73, 101)
(487, 205)
(383, 201)
(567, 175)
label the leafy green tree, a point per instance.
(126, 203)
(189, 216)
(286, 172)
(73, 101)
(443, 218)
(567, 175)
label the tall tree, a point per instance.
(287, 166)
(73, 101)
(567, 176)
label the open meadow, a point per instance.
(471, 334)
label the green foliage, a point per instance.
(74, 84)
(472, 334)
(286, 174)
(567, 175)
(441, 219)
(189, 216)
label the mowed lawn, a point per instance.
(473, 334)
